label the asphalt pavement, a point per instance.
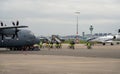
(96, 51)
(98, 60)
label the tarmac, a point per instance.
(98, 60)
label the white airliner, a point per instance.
(112, 39)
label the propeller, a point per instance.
(15, 24)
(16, 30)
(1, 23)
(16, 33)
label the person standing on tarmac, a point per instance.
(41, 44)
(57, 45)
(89, 45)
(72, 43)
(51, 44)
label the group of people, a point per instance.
(58, 45)
(50, 45)
(72, 43)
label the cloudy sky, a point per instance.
(46, 17)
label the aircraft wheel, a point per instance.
(117, 43)
(11, 49)
(112, 44)
(103, 43)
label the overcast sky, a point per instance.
(47, 17)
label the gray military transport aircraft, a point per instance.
(15, 38)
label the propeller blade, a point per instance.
(13, 23)
(1, 23)
(17, 23)
(13, 36)
(16, 33)
(17, 36)
(2, 37)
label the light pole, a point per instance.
(77, 39)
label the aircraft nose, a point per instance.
(37, 40)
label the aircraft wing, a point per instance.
(11, 27)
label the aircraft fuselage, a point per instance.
(26, 38)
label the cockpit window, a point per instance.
(33, 36)
(31, 33)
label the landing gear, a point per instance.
(25, 48)
(112, 44)
(117, 43)
(103, 43)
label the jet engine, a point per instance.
(116, 37)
